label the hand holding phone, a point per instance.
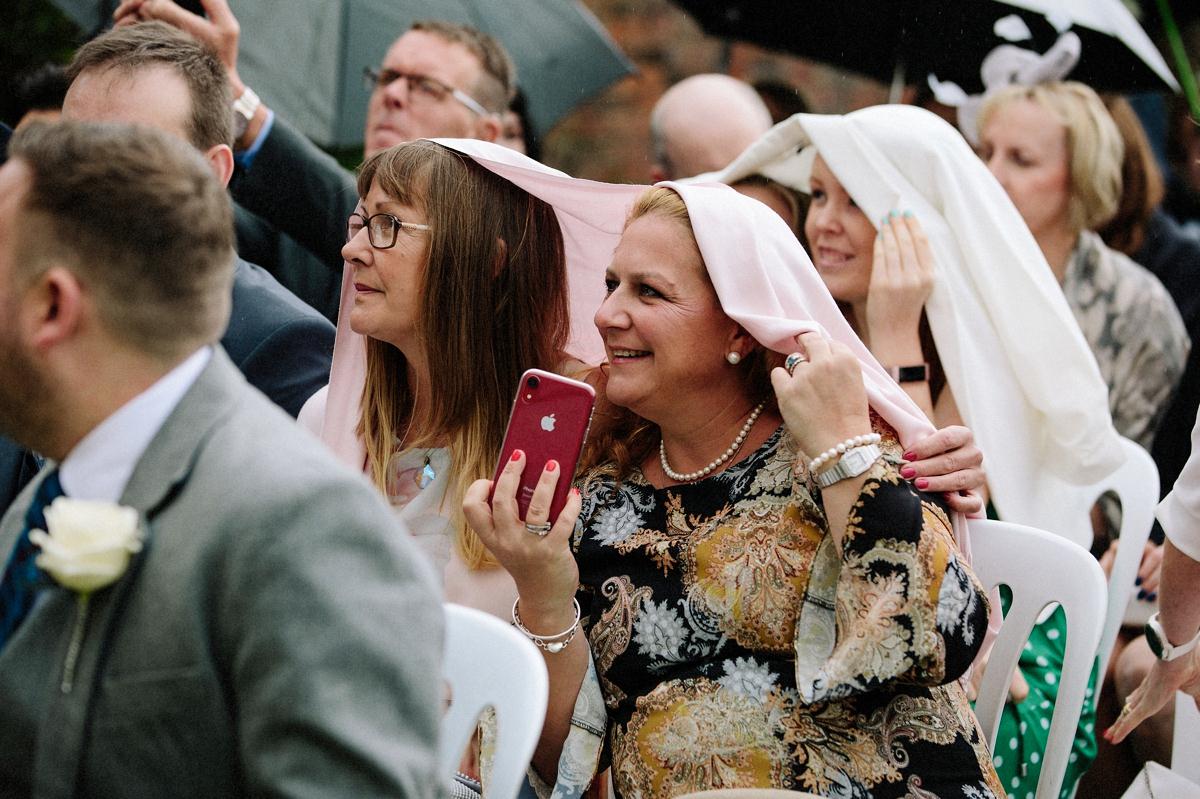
(549, 421)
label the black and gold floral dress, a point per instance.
(734, 646)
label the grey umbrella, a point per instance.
(305, 57)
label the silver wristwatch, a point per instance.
(1156, 639)
(854, 462)
(244, 109)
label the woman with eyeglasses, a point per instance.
(466, 264)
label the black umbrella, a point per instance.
(948, 39)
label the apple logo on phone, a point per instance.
(548, 423)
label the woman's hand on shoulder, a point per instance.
(823, 401)
(949, 462)
(541, 564)
(902, 277)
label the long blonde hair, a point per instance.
(494, 303)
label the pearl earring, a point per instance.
(733, 358)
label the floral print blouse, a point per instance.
(734, 644)
(1134, 329)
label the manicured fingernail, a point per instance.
(922, 483)
(1153, 596)
(892, 214)
(516, 456)
(575, 491)
(910, 456)
(1141, 594)
(908, 214)
(1138, 581)
(907, 472)
(551, 465)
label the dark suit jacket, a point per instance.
(282, 346)
(278, 635)
(296, 188)
(17, 468)
(297, 269)
(1174, 258)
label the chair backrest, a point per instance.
(489, 664)
(1040, 568)
(1187, 733)
(1136, 484)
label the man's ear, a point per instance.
(220, 158)
(51, 309)
(489, 128)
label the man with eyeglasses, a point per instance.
(439, 79)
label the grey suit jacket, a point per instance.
(279, 634)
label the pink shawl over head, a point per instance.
(762, 275)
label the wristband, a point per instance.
(918, 373)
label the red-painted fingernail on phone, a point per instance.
(551, 465)
(922, 483)
(516, 456)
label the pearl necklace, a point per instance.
(726, 455)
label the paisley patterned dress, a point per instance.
(735, 645)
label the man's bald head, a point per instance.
(702, 123)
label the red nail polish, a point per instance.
(910, 456)
(907, 472)
(922, 483)
(551, 465)
(575, 491)
(516, 456)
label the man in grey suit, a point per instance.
(274, 632)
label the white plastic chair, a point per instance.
(1040, 568)
(489, 664)
(1136, 484)
(1187, 732)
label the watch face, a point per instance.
(856, 461)
(1154, 641)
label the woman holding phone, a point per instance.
(467, 264)
(768, 602)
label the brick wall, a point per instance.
(608, 137)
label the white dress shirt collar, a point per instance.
(100, 465)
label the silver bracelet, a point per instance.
(825, 457)
(549, 643)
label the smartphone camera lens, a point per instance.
(533, 382)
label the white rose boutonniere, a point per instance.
(86, 547)
(87, 544)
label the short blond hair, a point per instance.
(1095, 149)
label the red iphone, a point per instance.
(550, 419)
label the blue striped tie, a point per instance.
(19, 586)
